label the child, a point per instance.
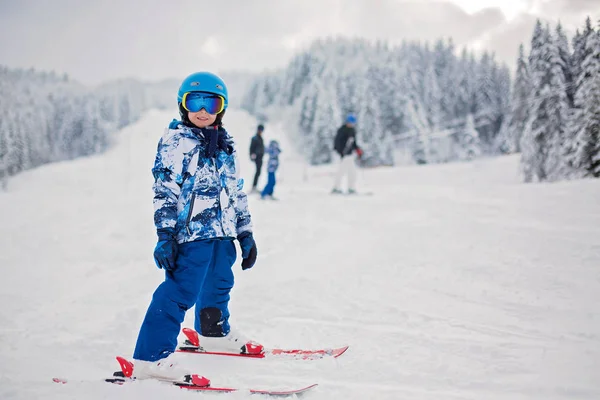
(273, 150)
(200, 209)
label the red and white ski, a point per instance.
(267, 392)
(192, 345)
(193, 382)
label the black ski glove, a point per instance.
(249, 250)
(165, 252)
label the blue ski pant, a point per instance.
(270, 186)
(203, 277)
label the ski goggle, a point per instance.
(196, 101)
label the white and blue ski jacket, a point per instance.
(196, 194)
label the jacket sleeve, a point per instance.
(338, 144)
(242, 214)
(253, 146)
(354, 142)
(244, 220)
(167, 172)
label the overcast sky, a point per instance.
(94, 41)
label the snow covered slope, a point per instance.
(450, 282)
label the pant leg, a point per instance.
(178, 293)
(273, 181)
(339, 174)
(270, 186)
(351, 171)
(258, 163)
(212, 311)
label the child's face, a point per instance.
(202, 119)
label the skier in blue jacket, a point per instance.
(199, 209)
(273, 151)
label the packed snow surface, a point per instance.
(450, 281)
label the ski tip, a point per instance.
(126, 366)
(284, 393)
(340, 351)
(59, 380)
(304, 389)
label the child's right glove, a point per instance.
(249, 250)
(165, 252)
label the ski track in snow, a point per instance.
(452, 281)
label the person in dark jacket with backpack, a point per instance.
(257, 151)
(345, 145)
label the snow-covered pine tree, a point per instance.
(464, 82)
(390, 96)
(580, 51)
(558, 109)
(565, 54)
(542, 141)
(432, 96)
(469, 140)
(248, 101)
(348, 91)
(520, 103)
(444, 65)
(501, 102)
(303, 68)
(371, 136)
(420, 130)
(308, 106)
(587, 101)
(326, 119)
(263, 93)
(576, 117)
(549, 113)
(533, 141)
(486, 112)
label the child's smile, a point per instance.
(202, 119)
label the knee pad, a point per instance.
(211, 322)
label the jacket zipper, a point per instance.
(219, 195)
(189, 216)
(193, 198)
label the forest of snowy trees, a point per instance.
(440, 105)
(555, 105)
(436, 103)
(45, 117)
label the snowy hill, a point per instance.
(450, 282)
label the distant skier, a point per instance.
(345, 145)
(257, 151)
(200, 209)
(273, 151)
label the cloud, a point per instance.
(155, 39)
(419, 20)
(505, 39)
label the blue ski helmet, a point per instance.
(203, 82)
(350, 119)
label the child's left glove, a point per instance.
(249, 250)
